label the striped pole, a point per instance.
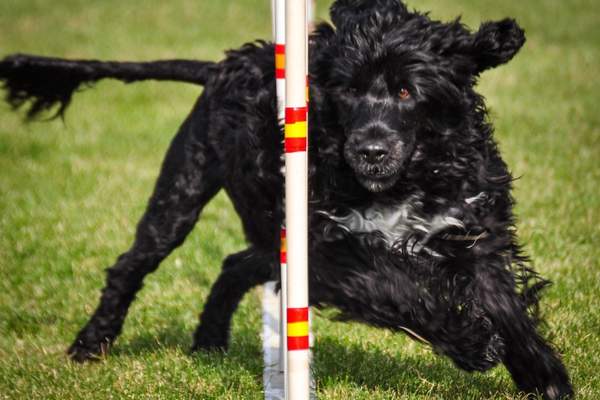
(279, 382)
(296, 199)
(274, 304)
(279, 10)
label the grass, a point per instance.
(70, 195)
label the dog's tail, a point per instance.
(46, 82)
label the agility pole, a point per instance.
(296, 199)
(286, 337)
(280, 90)
(273, 303)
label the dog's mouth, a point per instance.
(379, 177)
(377, 182)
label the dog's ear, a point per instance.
(495, 43)
(349, 13)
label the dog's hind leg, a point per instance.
(533, 364)
(189, 178)
(241, 272)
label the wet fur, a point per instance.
(423, 241)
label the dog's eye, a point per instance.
(352, 90)
(404, 94)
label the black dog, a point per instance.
(411, 224)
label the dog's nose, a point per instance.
(373, 152)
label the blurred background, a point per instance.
(71, 193)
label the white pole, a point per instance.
(280, 88)
(296, 200)
(274, 304)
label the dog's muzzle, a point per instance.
(374, 164)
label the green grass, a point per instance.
(70, 195)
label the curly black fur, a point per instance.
(411, 223)
(47, 82)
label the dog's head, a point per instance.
(397, 79)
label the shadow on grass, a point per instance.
(337, 363)
(244, 354)
(176, 336)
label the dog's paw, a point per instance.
(82, 352)
(552, 382)
(558, 391)
(207, 341)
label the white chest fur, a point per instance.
(403, 226)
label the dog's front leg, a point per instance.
(241, 272)
(533, 364)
